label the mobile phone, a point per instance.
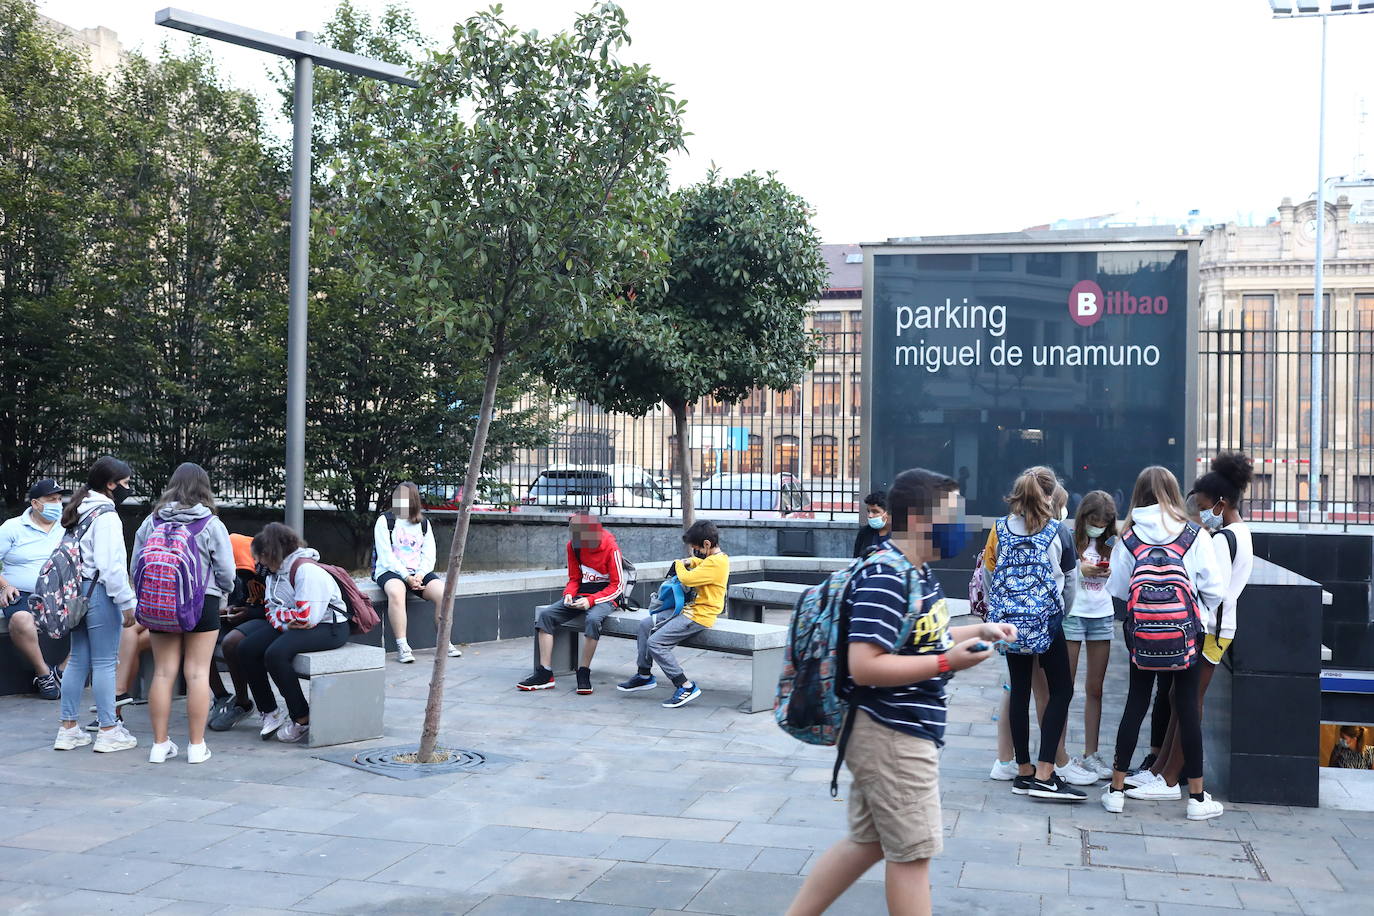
(1104, 564)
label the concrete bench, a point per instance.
(347, 693)
(747, 600)
(762, 642)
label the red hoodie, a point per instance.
(595, 568)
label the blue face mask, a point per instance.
(876, 522)
(52, 511)
(949, 538)
(1211, 519)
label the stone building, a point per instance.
(100, 44)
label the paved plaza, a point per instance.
(609, 804)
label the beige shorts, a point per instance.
(895, 798)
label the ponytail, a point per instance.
(106, 470)
(1032, 498)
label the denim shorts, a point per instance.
(1078, 629)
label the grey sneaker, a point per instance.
(48, 686)
(292, 732)
(229, 717)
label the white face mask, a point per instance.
(1094, 531)
(1211, 518)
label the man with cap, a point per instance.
(26, 542)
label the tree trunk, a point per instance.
(684, 463)
(434, 705)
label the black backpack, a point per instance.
(391, 533)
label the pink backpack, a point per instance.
(170, 579)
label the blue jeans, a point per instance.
(95, 652)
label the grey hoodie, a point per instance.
(315, 593)
(216, 552)
(102, 550)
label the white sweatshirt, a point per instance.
(1240, 566)
(408, 551)
(315, 596)
(1209, 577)
(102, 550)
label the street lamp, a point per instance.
(1323, 10)
(306, 54)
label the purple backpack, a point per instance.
(170, 579)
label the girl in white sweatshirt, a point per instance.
(105, 580)
(1158, 517)
(403, 543)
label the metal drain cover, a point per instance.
(384, 761)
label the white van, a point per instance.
(609, 489)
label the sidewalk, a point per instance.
(609, 804)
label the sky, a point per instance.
(929, 117)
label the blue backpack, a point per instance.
(672, 596)
(814, 690)
(1023, 590)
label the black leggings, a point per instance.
(268, 651)
(1054, 661)
(1185, 686)
(1159, 718)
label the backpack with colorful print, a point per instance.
(1023, 590)
(170, 579)
(56, 603)
(1162, 616)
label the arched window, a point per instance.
(786, 455)
(751, 461)
(825, 456)
(855, 458)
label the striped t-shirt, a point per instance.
(878, 606)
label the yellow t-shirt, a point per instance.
(709, 577)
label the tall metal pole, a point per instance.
(1314, 459)
(299, 280)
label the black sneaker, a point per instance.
(1054, 789)
(542, 679)
(584, 681)
(1020, 785)
(48, 686)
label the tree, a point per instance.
(744, 262)
(388, 398)
(53, 141)
(523, 180)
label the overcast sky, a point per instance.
(911, 117)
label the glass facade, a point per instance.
(984, 364)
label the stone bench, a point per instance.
(747, 600)
(762, 642)
(347, 693)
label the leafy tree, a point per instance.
(192, 272)
(744, 262)
(53, 141)
(388, 399)
(523, 179)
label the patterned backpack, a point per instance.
(1162, 611)
(813, 694)
(57, 604)
(170, 579)
(1023, 590)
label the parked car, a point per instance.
(625, 489)
(492, 496)
(754, 496)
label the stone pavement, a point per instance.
(609, 804)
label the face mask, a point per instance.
(699, 554)
(949, 538)
(876, 522)
(51, 511)
(120, 494)
(1211, 519)
(1095, 531)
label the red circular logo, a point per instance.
(1086, 302)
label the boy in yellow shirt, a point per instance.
(708, 571)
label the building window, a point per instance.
(856, 393)
(855, 458)
(856, 333)
(715, 407)
(831, 324)
(1304, 495)
(1260, 498)
(1258, 369)
(751, 460)
(1364, 492)
(755, 404)
(672, 455)
(786, 455)
(1044, 264)
(825, 394)
(825, 456)
(787, 403)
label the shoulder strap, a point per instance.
(1187, 536)
(1047, 535)
(300, 561)
(424, 525)
(390, 525)
(1230, 537)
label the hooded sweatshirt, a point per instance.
(102, 551)
(1209, 577)
(406, 551)
(315, 598)
(216, 551)
(594, 572)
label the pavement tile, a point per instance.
(94, 872)
(79, 834)
(102, 902)
(735, 806)
(1327, 903)
(1214, 892)
(1260, 895)
(1312, 877)
(540, 906)
(632, 848)
(1360, 852)
(1095, 906)
(437, 866)
(784, 836)
(983, 902)
(557, 877)
(734, 893)
(824, 812)
(1097, 882)
(1026, 878)
(157, 842)
(696, 854)
(305, 820)
(630, 884)
(780, 861)
(669, 828)
(245, 887)
(367, 897)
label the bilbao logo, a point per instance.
(1088, 302)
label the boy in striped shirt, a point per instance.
(899, 690)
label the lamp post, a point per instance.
(306, 53)
(1323, 10)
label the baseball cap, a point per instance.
(46, 487)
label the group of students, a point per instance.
(264, 600)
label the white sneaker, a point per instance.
(70, 738)
(454, 651)
(1205, 809)
(1139, 778)
(1005, 770)
(292, 732)
(1094, 763)
(403, 654)
(197, 753)
(1075, 775)
(114, 739)
(1115, 802)
(1156, 790)
(271, 721)
(159, 753)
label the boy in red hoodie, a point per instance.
(595, 585)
